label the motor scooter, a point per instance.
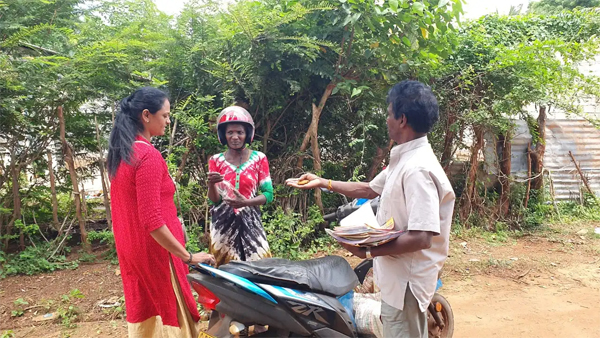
(309, 298)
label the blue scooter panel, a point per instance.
(316, 311)
(279, 292)
(242, 282)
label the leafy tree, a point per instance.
(313, 73)
(32, 42)
(63, 54)
(557, 6)
(502, 65)
(294, 63)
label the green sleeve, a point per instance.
(266, 188)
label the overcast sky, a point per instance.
(473, 8)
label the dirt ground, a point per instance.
(531, 287)
(544, 285)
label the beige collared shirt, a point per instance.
(414, 191)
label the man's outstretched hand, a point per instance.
(306, 181)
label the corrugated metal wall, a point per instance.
(583, 140)
(518, 150)
(564, 133)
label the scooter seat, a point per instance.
(330, 275)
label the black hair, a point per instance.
(128, 124)
(416, 101)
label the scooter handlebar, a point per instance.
(330, 217)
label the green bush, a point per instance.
(33, 260)
(19, 307)
(67, 311)
(106, 237)
(8, 334)
(290, 237)
(195, 235)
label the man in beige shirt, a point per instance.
(416, 193)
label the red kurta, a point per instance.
(142, 201)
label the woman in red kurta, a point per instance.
(148, 234)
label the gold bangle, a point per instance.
(329, 187)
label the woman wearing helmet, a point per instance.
(236, 231)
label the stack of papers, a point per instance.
(361, 229)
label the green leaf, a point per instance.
(369, 23)
(356, 91)
(457, 8)
(406, 41)
(394, 5)
(335, 90)
(418, 8)
(347, 20)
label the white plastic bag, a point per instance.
(367, 313)
(226, 190)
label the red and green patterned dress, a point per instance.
(239, 234)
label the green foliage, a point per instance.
(501, 233)
(105, 237)
(47, 304)
(28, 229)
(86, 257)
(196, 238)
(8, 334)
(277, 58)
(68, 312)
(540, 212)
(19, 307)
(33, 260)
(118, 311)
(506, 63)
(557, 6)
(503, 64)
(289, 236)
(573, 211)
(533, 128)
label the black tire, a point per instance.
(445, 314)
